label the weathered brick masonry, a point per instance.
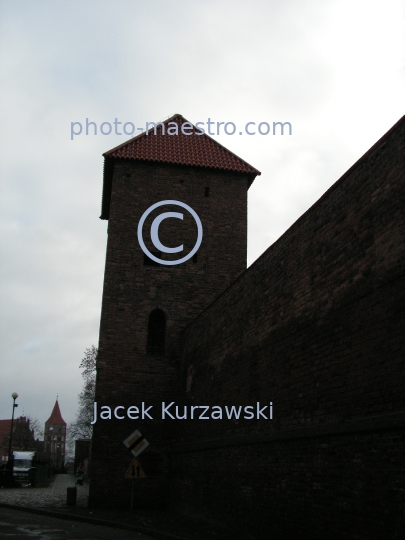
(126, 374)
(315, 325)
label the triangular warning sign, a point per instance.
(135, 471)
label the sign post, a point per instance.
(134, 471)
(136, 443)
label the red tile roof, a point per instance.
(190, 150)
(56, 417)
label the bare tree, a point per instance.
(81, 428)
(36, 427)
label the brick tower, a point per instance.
(146, 303)
(55, 438)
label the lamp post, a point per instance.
(14, 395)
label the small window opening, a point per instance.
(156, 333)
(150, 262)
(207, 192)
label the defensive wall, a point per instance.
(315, 326)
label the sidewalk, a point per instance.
(52, 497)
(164, 524)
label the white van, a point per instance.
(24, 467)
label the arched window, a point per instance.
(156, 333)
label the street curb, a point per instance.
(159, 535)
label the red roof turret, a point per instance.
(190, 149)
(56, 417)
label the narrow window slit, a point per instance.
(156, 333)
(150, 262)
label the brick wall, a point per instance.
(315, 325)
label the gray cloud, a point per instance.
(338, 79)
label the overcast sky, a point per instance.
(334, 69)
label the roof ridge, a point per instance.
(170, 119)
(143, 134)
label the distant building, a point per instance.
(23, 437)
(5, 426)
(55, 438)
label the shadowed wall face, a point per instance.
(316, 326)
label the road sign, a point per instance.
(136, 442)
(135, 471)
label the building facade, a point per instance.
(23, 437)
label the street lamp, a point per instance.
(14, 395)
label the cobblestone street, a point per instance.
(52, 496)
(157, 523)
